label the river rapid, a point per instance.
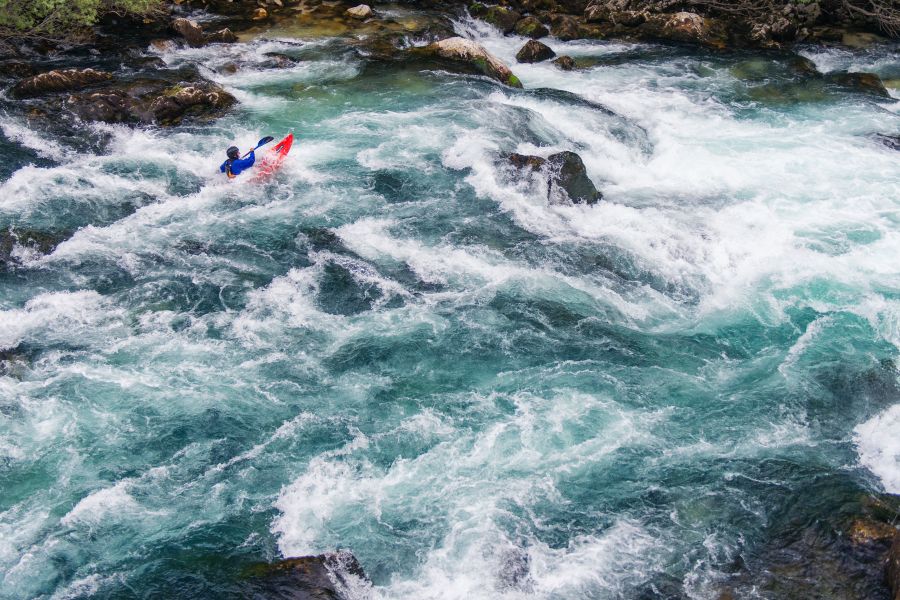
(398, 347)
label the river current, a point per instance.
(398, 347)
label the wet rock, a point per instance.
(174, 103)
(868, 531)
(162, 45)
(867, 83)
(525, 161)
(531, 27)
(565, 27)
(259, 14)
(152, 102)
(467, 52)
(229, 68)
(534, 51)
(306, 578)
(892, 570)
(190, 31)
(566, 63)
(278, 60)
(362, 11)
(58, 81)
(891, 141)
(16, 242)
(569, 175)
(16, 68)
(503, 19)
(222, 36)
(515, 570)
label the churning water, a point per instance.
(398, 347)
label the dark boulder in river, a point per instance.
(534, 51)
(153, 102)
(567, 178)
(566, 63)
(58, 81)
(306, 578)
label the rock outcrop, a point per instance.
(468, 53)
(58, 81)
(567, 179)
(534, 51)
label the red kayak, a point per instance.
(273, 159)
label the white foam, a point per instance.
(878, 444)
(108, 503)
(57, 316)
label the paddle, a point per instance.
(262, 142)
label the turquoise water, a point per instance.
(397, 347)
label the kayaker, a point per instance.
(235, 164)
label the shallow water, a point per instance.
(397, 347)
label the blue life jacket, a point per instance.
(237, 165)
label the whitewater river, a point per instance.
(397, 347)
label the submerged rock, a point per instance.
(14, 242)
(534, 51)
(867, 83)
(58, 81)
(567, 179)
(869, 531)
(321, 577)
(467, 52)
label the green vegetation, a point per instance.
(60, 17)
